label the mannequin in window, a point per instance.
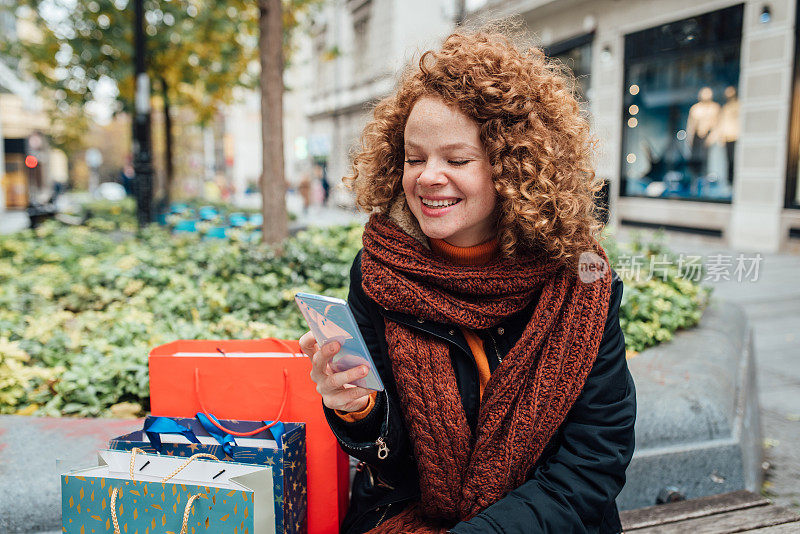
(703, 119)
(728, 128)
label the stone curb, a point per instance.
(697, 425)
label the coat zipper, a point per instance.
(385, 511)
(383, 448)
(496, 350)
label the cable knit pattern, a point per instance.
(527, 397)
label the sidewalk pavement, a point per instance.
(35, 451)
(772, 304)
(13, 221)
(325, 216)
(16, 220)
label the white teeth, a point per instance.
(439, 203)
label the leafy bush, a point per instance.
(659, 297)
(94, 303)
(81, 307)
(110, 214)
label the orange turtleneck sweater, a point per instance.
(475, 255)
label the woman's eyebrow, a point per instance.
(449, 146)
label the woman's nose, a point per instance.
(432, 175)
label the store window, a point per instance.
(681, 108)
(793, 168)
(576, 54)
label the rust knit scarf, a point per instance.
(528, 395)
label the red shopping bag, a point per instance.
(255, 380)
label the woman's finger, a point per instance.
(320, 361)
(348, 399)
(308, 344)
(338, 380)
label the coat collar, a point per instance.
(401, 215)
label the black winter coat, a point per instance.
(573, 485)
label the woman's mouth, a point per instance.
(438, 204)
(437, 208)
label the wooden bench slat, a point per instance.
(682, 510)
(785, 528)
(742, 520)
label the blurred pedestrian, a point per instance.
(321, 173)
(304, 188)
(126, 178)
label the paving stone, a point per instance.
(697, 424)
(34, 452)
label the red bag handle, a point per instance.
(232, 432)
(288, 348)
(281, 342)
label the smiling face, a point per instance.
(447, 178)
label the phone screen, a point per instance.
(330, 319)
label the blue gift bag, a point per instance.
(282, 446)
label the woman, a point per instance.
(508, 404)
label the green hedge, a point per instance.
(80, 307)
(654, 307)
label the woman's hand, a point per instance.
(335, 388)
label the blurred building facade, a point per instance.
(238, 138)
(696, 104)
(28, 165)
(358, 48)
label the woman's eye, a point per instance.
(413, 161)
(459, 162)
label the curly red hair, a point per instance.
(536, 138)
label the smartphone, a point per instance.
(330, 319)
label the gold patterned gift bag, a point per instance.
(132, 492)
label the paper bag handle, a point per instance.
(285, 345)
(232, 432)
(280, 342)
(186, 510)
(178, 470)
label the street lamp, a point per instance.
(142, 152)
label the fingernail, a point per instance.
(364, 371)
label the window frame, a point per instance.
(793, 138)
(568, 44)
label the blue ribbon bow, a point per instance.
(224, 439)
(278, 430)
(164, 425)
(227, 441)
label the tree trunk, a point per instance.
(460, 12)
(169, 171)
(273, 184)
